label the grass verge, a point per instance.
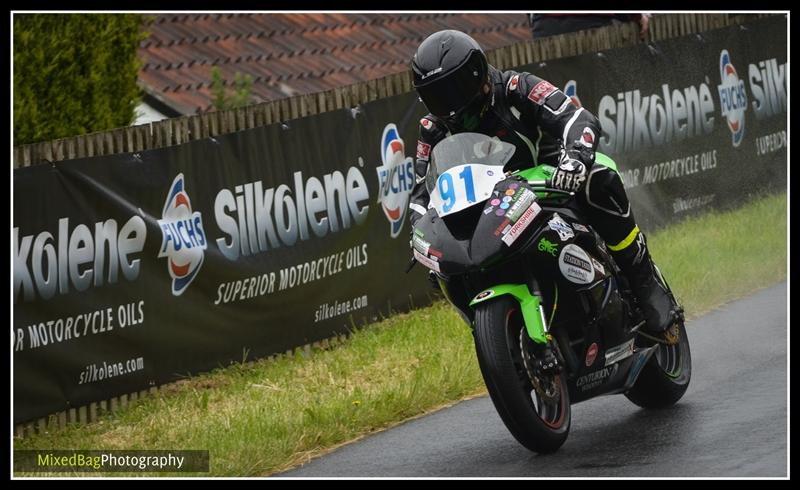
(261, 417)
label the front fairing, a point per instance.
(478, 237)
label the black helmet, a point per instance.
(450, 69)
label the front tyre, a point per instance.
(535, 409)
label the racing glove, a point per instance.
(570, 175)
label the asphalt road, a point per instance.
(732, 421)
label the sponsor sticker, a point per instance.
(547, 246)
(523, 201)
(599, 267)
(576, 265)
(435, 254)
(427, 262)
(561, 227)
(484, 294)
(423, 150)
(595, 378)
(502, 226)
(521, 224)
(540, 91)
(426, 123)
(421, 245)
(591, 354)
(619, 352)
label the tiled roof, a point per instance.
(291, 54)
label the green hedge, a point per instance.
(74, 74)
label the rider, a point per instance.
(465, 94)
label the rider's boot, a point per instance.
(660, 311)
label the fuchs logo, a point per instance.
(182, 237)
(732, 97)
(571, 91)
(395, 179)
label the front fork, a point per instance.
(530, 303)
(529, 297)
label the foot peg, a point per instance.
(670, 336)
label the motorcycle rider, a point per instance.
(463, 93)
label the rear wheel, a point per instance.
(666, 376)
(535, 409)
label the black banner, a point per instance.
(133, 270)
(693, 123)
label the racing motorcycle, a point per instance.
(554, 320)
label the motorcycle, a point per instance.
(553, 319)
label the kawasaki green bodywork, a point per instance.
(529, 303)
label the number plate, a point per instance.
(464, 186)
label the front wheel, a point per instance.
(535, 409)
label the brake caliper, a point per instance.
(545, 362)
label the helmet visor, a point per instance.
(446, 96)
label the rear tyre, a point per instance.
(666, 376)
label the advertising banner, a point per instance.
(133, 270)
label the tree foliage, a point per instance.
(242, 86)
(74, 73)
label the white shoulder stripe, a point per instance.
(569, 125)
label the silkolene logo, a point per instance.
(183, 240)
(732, 97)
(571, 91)
(395, 179)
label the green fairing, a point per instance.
(539, 172)
(528, 303)
(606, 161)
